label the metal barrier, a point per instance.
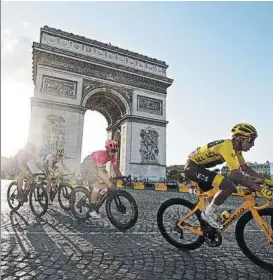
(162, 187)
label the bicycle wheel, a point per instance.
(262, 252)
(12, 197)
(173, 217)
(79, 202)
(121, 203)
(38, 200)
(64, 193)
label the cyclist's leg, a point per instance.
(226, 188)
(97, 186)
(20, 181)
(207, 180)
(91, 171)
(23, 174)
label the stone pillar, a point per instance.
(57, 116)
(54, 126)
(146, 150)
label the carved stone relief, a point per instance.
(149, 105)
(149, 145)
(58, 86)
(54, 133)
(105, 54)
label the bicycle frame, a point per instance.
(113, 192)
(248, 205)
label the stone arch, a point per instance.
(109, 102)
(127, 88)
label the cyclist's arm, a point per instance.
(50, 166)
(65, 167)
(39, 164)
(20, 161)
(117, 171)
(241, 179)
(248, 170)
(234, 162)
(115, 167)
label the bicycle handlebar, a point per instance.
(37, 174)
(127, 178)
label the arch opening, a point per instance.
(110, 103)
(101, 104)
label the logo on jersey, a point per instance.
(214, 143)
(201, 177)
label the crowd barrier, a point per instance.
(162, 187)
(181, 188)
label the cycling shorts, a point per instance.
(206, 179)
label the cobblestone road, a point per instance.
(59, 247)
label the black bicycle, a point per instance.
(35, 190)
(117, 202)
(60, 184)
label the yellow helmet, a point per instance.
(244, 129)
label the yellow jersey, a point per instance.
(218, 152)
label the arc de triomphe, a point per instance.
(73, 74)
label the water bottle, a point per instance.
(26, 186)
(224, 216)
(101, 194)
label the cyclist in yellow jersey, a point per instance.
(229, 151)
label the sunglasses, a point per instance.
(250, 140)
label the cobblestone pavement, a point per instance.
(59, 247)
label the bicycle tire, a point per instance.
(8, 197)
(32, 196)
(185, 247)
(239, 233)
(72, 201)
(65, 187)
(114, 222)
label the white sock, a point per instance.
(210, 209)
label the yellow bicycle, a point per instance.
(258, 217)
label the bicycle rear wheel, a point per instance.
(79, 202)
(38, 200)
(124, 206)
(169, 229)
(12, 196)
(255, 246)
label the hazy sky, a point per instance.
(220, 55)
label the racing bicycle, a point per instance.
(117, 201)
(34, 188)
(60, 185)
(253, 231)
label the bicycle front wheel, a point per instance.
(122, 210)
(64, 193)
(252, 239)
(169, 214)
(38, 200)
